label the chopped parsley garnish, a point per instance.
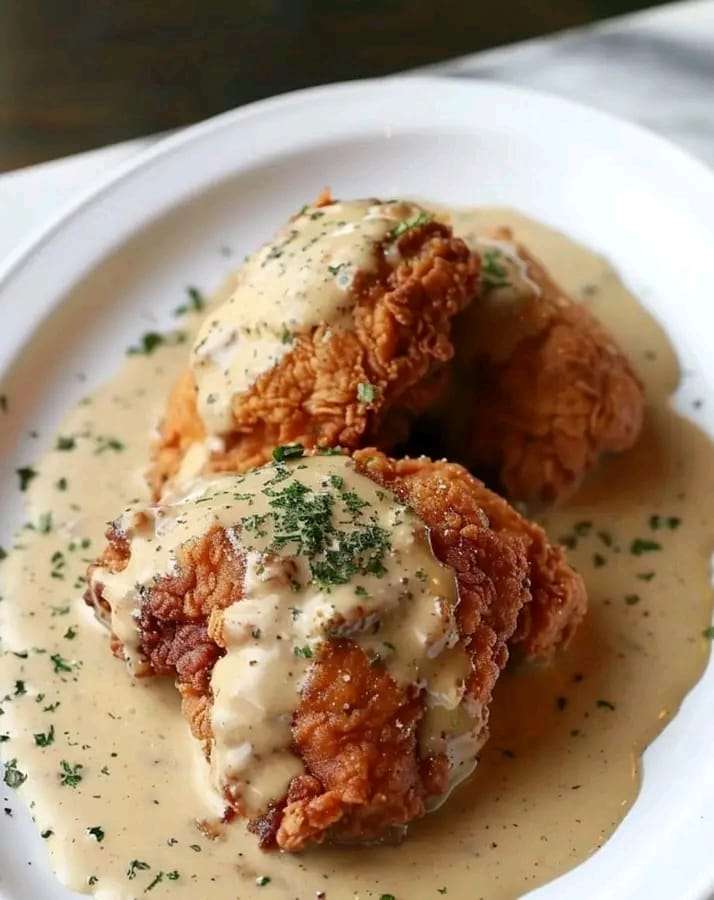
(61, 484)
(646, 576)
(97, 833)
(60, 663)
(20, 688)
(582, 528)
(643, 545)
(44, 739)
(606, 704)
(108, 443)
(13, 777)
(493, 274)
(366, 392)
(44, 523)
(361, 591)
(148, 343)
(598, 560)
(632, 599)
(136, 865)
(3, 402)
(335, 269)
(70, 774)
(286, 336)
(671, 522)
(3, 553)
(25, 474)
(65, 443)
(305, 652)
(405, 225)
(71, 633)
(262, 880)
(709, 632)
(46, 833)
(288, 451)
(606, 538)
(195, 303)
(387, 897)
(171, 876)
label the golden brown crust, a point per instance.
(356, 735)
(400, 343)
(445, 496)
(547, 388)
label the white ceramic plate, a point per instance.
(116, 263)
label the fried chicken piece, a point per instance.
(446, 496)
(360, 376)
(547, 389)
(370, 754)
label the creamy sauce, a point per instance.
(398, 605)
(562, 766)
(300, 280)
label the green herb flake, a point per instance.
(286, 336)
(108, 443)
(136, 865)
(44, 739)
(44, 523)
(645, 576)
(60, 663)
(20, 688)
(71, 633)
(632, 599)
(196, 302)
(606, 704)
(97, 832)
(25, 475)
(709, 632)
(673, 522)
(13, 777)
(262, 880)
(643, 545)
(147, 344)
(582, 528)
(599, 560)
(493, 273)
(65, 443)
(305, 652)
(366, 392)
(69, 775)
(288, 451)
(387, 897)
(334, 270)
(46, 833)
(406, 225)
(61, 484)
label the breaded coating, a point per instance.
(445, 495)
(543, 389)
(398, 345)
(355, 728)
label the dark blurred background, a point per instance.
(77, 74)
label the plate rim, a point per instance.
(165, 146)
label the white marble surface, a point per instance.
(655, 68)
